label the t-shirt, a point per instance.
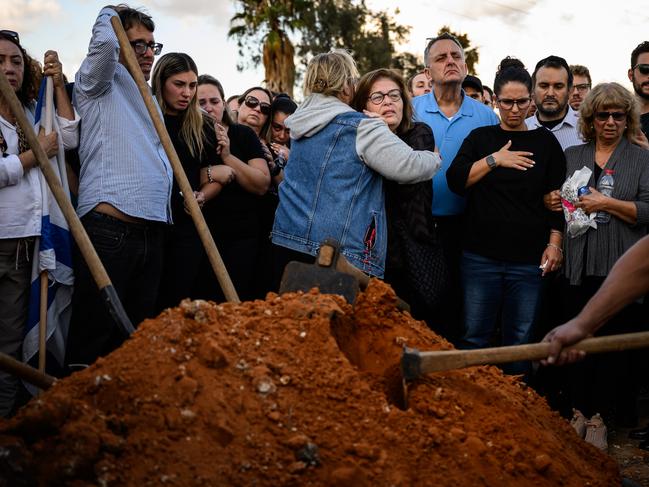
(505, 217)
(192, 165)
(233, 213)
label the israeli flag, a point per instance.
(52, 251)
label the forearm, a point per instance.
(253, 177)
(479, 169)
(627, 281)
(624, 210)
(28, 160)
(211, 190)
(63, 106)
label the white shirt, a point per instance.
(566, 132)
(20, 191)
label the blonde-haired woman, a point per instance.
(174, 83)
(333, 187)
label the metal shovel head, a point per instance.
(303, 277)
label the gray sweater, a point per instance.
(609, 241)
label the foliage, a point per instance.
(316, 26)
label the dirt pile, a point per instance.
(261, 394)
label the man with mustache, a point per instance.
(581, 85)
(639, 76)
(552, 85)
(125, 185)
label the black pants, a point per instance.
(132, 254)
(446, 320)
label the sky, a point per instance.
(582, 31)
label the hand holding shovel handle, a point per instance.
(197, 216)
(106, 289)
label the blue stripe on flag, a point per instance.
(57, 238)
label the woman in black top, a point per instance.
(233, 216)
(174, 85)
(510, 239)
(413, 257)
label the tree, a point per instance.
(319, 26)
(471, 54)
(268, 23)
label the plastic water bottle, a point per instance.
(605, 186)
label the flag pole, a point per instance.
(42, 321)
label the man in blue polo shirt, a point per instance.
(452, 115)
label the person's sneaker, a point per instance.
(578, 422)
(596, 432)
(639, 434)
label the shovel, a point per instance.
(324, 274)
(415, 363)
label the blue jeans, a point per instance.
(492, 287)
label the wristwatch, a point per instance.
(491, 161)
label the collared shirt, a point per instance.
(123, 162)
(20, 191)
(566, 132)
(449, 136)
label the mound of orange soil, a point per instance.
(290, 391)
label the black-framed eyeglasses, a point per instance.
(377, 97)
(140, 47)
(604, 116)
(582, 87)
(11, 34)
(508, 104)
(252, 102)
(643, 68)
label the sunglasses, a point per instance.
(643, 68)
(604, 116)
(140, 47)
(252, 102)
(12, 35)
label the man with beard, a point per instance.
(639, 76)
(552, 81)
(581, 85)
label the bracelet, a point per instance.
(556, 232)
(209, 174)
(555, 246)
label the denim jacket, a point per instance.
(345, 198)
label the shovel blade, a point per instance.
(303, 277)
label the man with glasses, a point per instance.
(639, 76)
(125, 184)
(581, 85)
(452, 116)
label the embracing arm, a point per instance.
(388, 155)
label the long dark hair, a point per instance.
(28, 91)
(192, 120)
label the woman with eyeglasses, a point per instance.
(609, 118)
(174, 84)
(410, 264)
(20, 191)
(233, 216)
(333, 185)
(510, 239)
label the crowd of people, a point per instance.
(445, 188)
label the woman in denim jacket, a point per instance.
(333, 187)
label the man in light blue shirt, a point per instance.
(452, 115)
(125, 185)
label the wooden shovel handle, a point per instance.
(457, 359)
(197, 215)
(25, 372)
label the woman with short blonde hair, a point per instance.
(333, 186)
